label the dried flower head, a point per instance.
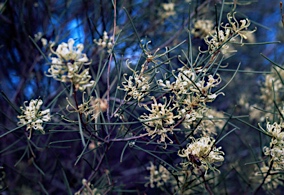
(68, 64)
(98, 105)
(91, 107)
(33, 117)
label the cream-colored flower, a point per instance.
(67, 65)
(105, 42)
(273, 178)
(33, 117)
(276, 148)
(160, 120)
(137, 86)
(202, 152)
(89, 189)
(167, 10)
(220, 38)
(191, 93)
(239, 28)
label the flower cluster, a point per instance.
(160, 121)
(202, 153)
(191, 93)
(271, 171)
(272, 180)
(158, 177)
(68, 64)
(105, 42)
(272, 89)
(137, 86)
(202, 28)
(220, 38)
(33, 117)
(275, 150)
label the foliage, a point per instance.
(117, 97)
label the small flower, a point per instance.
(202, 150)
(32, 117)
(168, 10)
(105, 42)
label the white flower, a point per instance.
(202, 152)
(160, 120)
(105, 42)
(275, 150)
(136, 86)
(32, 117)
(67, 65)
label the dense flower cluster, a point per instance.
(202, 153)
(211, 122)
(275, 150)
(271, 171)
(33, 117)
(191, 93)
(68, 64)
(137, 86)
(160, 121)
